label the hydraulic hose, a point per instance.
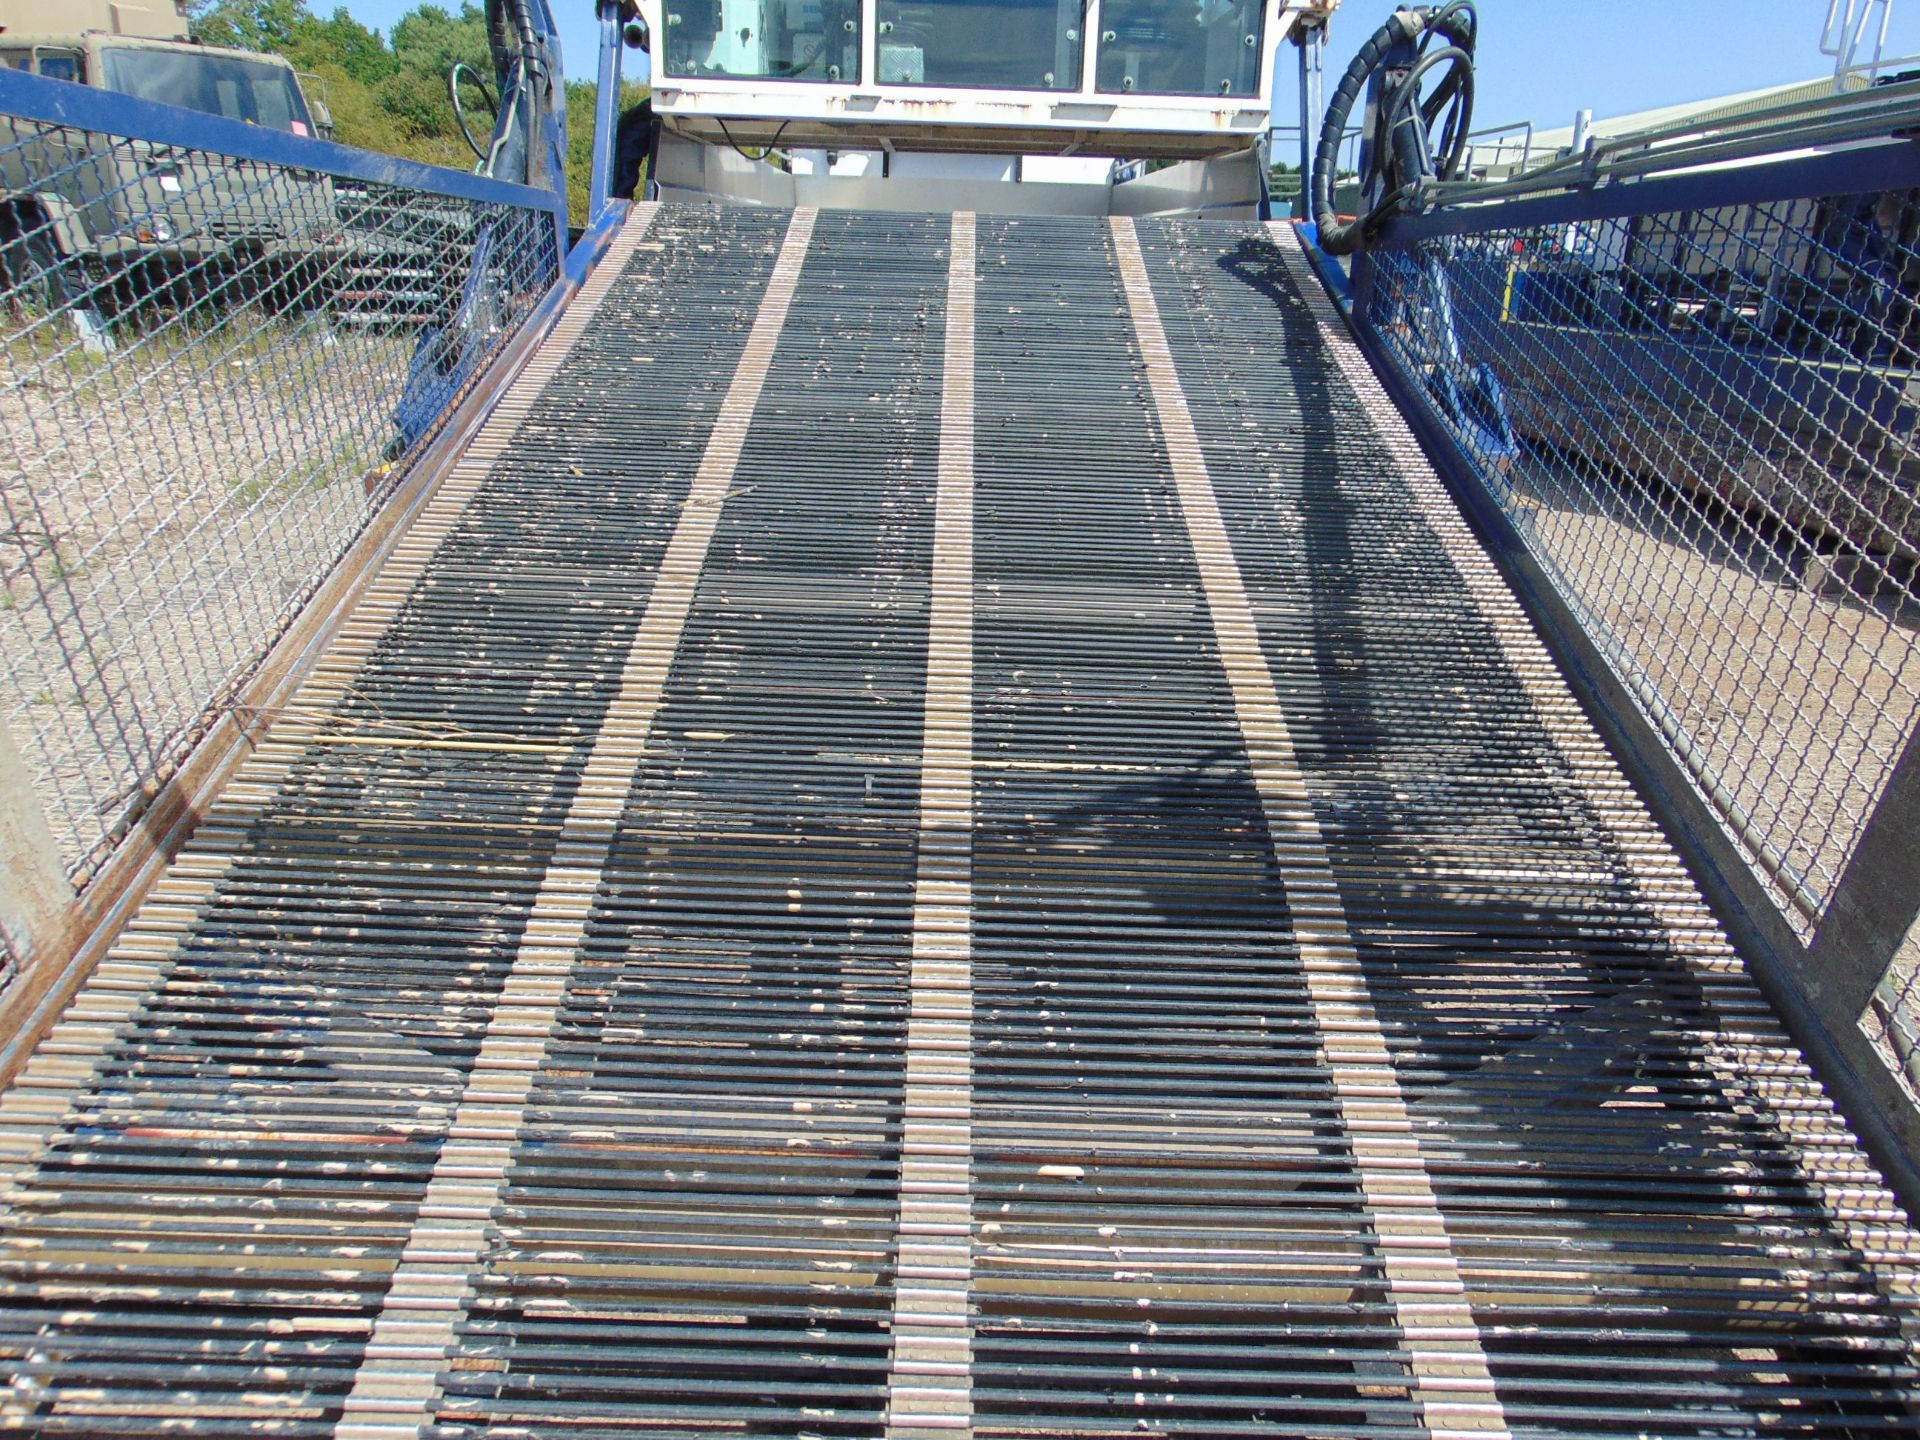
(1401, 156)
(1453, 141)
(520, 68)
(479, 82)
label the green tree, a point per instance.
(358, 116)
(416, 100)
(432, 39)
(426, 43)
(390, 94)
(343, 42)
(246, 24)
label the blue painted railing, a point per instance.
(227, 346)
(82, 107)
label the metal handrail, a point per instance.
(82, 107)
(226, 345)
(1833, 120)
(1849, 29)
(1874, 67)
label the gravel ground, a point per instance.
(1796, 701)
(166, 512)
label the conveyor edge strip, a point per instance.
(397, 1386)
(1854, 1194)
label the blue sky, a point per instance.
(1539, 59)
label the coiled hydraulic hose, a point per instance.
(1402, 153)
(479, 82)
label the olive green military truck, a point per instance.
(99, 213)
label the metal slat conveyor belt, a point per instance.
(940, 829)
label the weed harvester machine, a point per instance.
(970, 787)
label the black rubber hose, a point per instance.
(1453, 140)
(460, 111)
(1459, 81)
(1337, 238)
(1400, 155)
(1459, 24)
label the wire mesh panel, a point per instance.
(214, 370)
(1702, 422)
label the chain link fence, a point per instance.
(214, 370)
(1702, 422)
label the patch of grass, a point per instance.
(345, 459)
(49, 345)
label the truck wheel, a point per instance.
(35, 285)
(42, 285)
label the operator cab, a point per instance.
(967, 92)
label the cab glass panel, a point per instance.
(1180, 47)
(808, 40)
(984, 44)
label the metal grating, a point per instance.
(1146, 1058)
(699, 1225)
(942, 831)
(307, 1036)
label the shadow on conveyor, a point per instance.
(1146, 1028)
(1168, 1234)
(1553, 1047)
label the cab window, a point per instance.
(57, 64)
(996, 44)
(816, 40)
(1180, 47)
(238, 88)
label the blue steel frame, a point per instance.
(1821, 985)
(1880, 165)
(61, 102)
(82, 107)
(164, 825)
(606, 108)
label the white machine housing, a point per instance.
(847, 74)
